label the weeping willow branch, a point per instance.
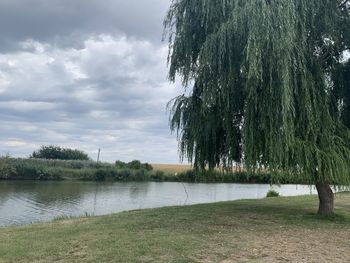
(267, 89)
(344, 3)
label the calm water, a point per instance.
(24, 202)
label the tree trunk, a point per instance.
(326, 197)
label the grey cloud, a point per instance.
(67, 23)
(85, 74)
(109, 94)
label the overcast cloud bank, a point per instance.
(85, 74)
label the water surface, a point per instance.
(25, 202)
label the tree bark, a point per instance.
(326, 197)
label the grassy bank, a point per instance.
(41, 169)
(268, 230)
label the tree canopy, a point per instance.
(57, 152)
(269, 85)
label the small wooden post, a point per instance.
(98, 156)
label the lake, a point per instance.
(25, 202)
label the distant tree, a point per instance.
(135, 165)
(57, 152)
(269, 87)
(120, 164)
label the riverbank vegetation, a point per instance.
(44, 169)
(267, 230)
(53, 152)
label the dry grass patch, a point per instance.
(172, 168)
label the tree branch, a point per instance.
(343, 4)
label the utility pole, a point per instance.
(98, 156)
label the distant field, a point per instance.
(178, 168)
(171, 168)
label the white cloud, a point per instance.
(109, 94)
(25, 106)
(85, 74)
(15, 143)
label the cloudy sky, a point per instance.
(85, 74)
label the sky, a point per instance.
(86, 74)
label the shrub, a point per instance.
(6, 169)
(134, 165)
(188, 176)
(100, 175)
(158, 176)
(147, 167)
(123, 175)
(84, 174)
(272, 193)
(120, 164)
(139, 175)
(45, 169)
(54, 174)
(56, 152)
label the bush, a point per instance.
(272, 193)
(6, 169)
(100, 175)
(44, 169)
(123, 175)
(158, 176)
(56, 152)
(134, 165)
(120, 164)
(139, 175)
(188, 176)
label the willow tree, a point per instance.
(268, 84)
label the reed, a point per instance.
(42, 169)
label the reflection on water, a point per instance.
(24, 202)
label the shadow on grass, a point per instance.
(282, 210)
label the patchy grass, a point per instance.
(267, 230)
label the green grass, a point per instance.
(267, 230)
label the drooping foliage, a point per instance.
(269, 84)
